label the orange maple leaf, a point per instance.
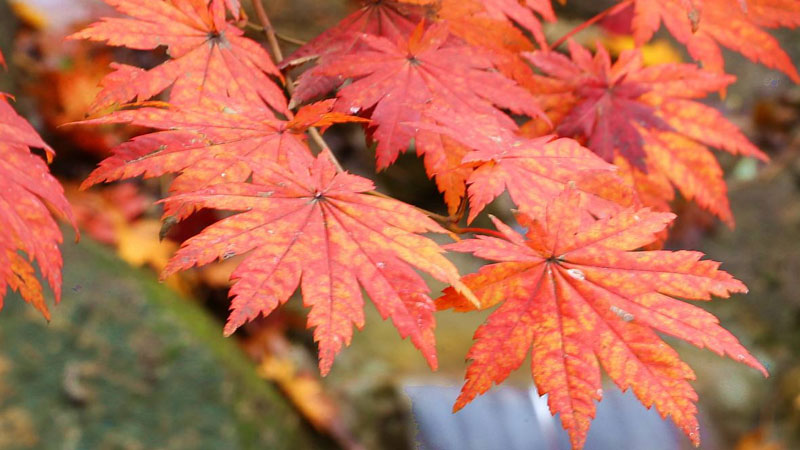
(577, 294)
(647, 116)
(208, 55)
(533, 171)
(305, 224)
(536, 170)
(703, 25)
(207, 144)
(26, 190)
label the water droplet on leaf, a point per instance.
(624, 315)
(577, 274)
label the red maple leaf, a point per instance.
(522, 12)
(394, 82)
(391, 19)
(703, 25)
(646, 115)
(394, 20)
(305, 224)
(575, 294)
(534, 171)
(207, 144)
(208, 55)
(481, 25)
(26, 190)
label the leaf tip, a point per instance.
(229, 329)
(465, 291)
(325, 367)
(459, 404)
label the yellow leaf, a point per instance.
(658, 51)
(28, 14)
(138, 245)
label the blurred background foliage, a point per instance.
(129, 364)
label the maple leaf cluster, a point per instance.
(644, 120)
(704, 25)
(591, 173)
(27, 189)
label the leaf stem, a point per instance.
(450, 223)
(460, 211)
(269, 32)
(444, 220)
(280, 36)
(610, 11)
(290, 40)
(316, 136)
(277, 54)
(485, 231)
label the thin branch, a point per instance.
(290, 40)
(269, 32)
(485, 231)
(450, 223)
(274, 45)
(316, 136)
(254, 26)
(280, 36)
(447, 222)
(608, 12)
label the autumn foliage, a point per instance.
(591, 150)
(27, 189)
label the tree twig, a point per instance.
(280, 36)
(485, 231)
(608, 12)
(444, 220)
(290, 40)
(275, 48)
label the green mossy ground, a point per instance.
(126, 364)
